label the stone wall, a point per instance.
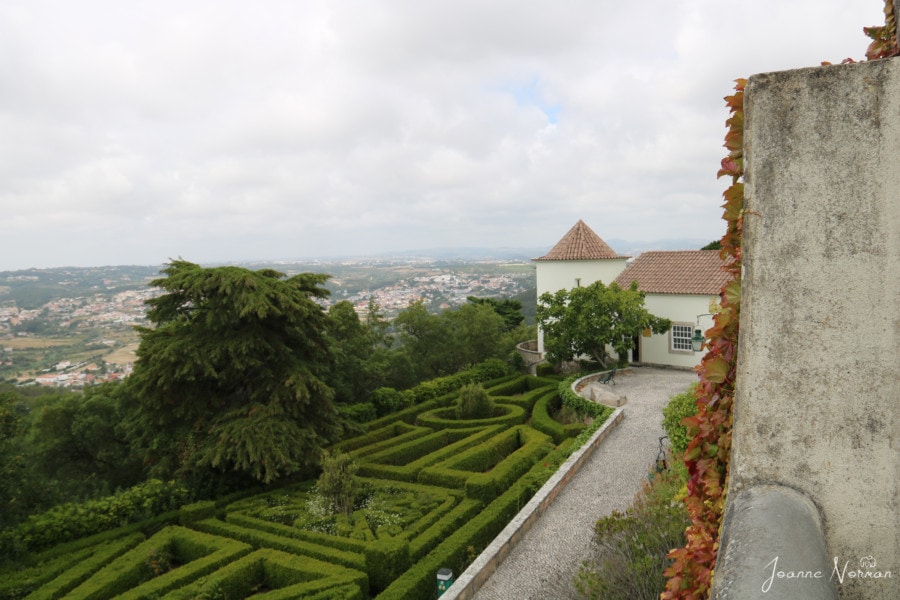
(818, 403)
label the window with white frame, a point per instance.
(680, 336)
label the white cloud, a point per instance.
(225, 130)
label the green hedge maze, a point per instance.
(434, 491)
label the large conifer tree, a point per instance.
(228, 379)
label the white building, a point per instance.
(579, 259)
(679, 285)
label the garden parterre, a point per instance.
(435, 491)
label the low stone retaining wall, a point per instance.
(483, 567)
(582, 382)
(530, 355)
(773, 547)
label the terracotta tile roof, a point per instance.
(580, 243)
(676, 272)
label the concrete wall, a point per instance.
(681, 309)
(554, 275)
(818, 404)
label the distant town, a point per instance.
(74, 327)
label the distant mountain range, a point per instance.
(526, 254)
(624, 247)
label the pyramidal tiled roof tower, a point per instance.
(580, 243)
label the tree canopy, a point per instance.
(443, 344)
(508, 308)
(229, 378)
(585, 320)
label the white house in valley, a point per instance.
(679, 285)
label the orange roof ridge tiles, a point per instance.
(580, 243)
(677, 272)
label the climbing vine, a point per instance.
(708, 453)
(884, 39)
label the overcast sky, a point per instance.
(136, 132)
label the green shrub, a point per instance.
(283, 575)
(388, 400)
(474, 403)
(338, 482)
(360, 412)
(545, 369)
(19, 582)
(438, 530)
(508, 386)
(313, 537)
(679, 407)
(71, 521)
(534, 445)
(629, 556)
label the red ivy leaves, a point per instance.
(884, 38)
(707, 455)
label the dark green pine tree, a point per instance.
(229, 378)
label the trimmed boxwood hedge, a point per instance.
(445, 418)
(449, 522)
(386, 559)
(286, 576)
(442, 390)
(129, 575)
(86, 565)
(542, 421)
(344, 544)
(364, 443)
(418, 582)
(454, 441)
(505, 457)
(487, 486)
(486, 472)
(264, 539)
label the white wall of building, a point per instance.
(682, 310)
(554, 275)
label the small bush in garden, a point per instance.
(568, 415)
(160, 560)
(474, 403)
(338, 483)
(629, 554)
(679, 407)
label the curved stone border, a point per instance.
(581, 382)
(487, 562)
(529, 353)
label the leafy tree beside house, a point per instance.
(587, 320)
(229, 379)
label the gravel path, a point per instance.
(542, 565)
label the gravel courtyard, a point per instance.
(542, 565)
